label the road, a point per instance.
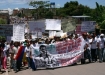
(85, 69)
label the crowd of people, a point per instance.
(94, 50)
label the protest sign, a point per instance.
(18, 32)
(36, 35)
(52, 34)
(88, 26)
(39, 35)
(78, 30)
(36, 26)
(53, 24)
(6, 30)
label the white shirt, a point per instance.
(87, 41)
(4, 51)
(33, 48)
(15, 51)
(27, 50)
(94, 43)
(101, 42)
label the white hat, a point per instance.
(102, 35)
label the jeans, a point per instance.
(28, 61)
(15, 65)
(101, 52)
(94, 54)
(33, 65)
(87, 55)
(12, 63)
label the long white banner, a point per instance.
(63, 53)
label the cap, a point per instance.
(102, 35)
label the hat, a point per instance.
(102, 35)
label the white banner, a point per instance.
(18, 32)
(36, 26)
(61, 54)
(88, 26)
(36, 35)
(52, 34)
(39, 35)
(53, 24)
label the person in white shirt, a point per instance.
(87, 46)
(28, 52)
(94, 48)
(15, 51)
(33, 55)
(101, 46)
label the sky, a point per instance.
(12, 4)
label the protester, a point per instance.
(15, 63)
(11, 52)
(94, 48)
(101, 47)
(28, 54)
(33, 45)
(4, 55)
(87, 53)
(92, 44)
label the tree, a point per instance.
(3, 21)
(41, 7)
(73, 8)
(49, 15)
(100, 15)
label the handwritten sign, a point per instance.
(18, 32)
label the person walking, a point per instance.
(101, 46)
(94, 48)
(28, 53)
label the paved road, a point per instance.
(86, 69)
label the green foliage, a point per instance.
(20, 15)
(42, 9)
(100, 15)
(49, 15)
(2, 38)
(103, 25)
(3, 21)
(72, 8)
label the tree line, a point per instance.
(43, 9)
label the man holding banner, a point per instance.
(33, 48)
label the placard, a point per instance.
(6, 30)
(53, 24)
(18, 32)
(36, 26)
(88, 26)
